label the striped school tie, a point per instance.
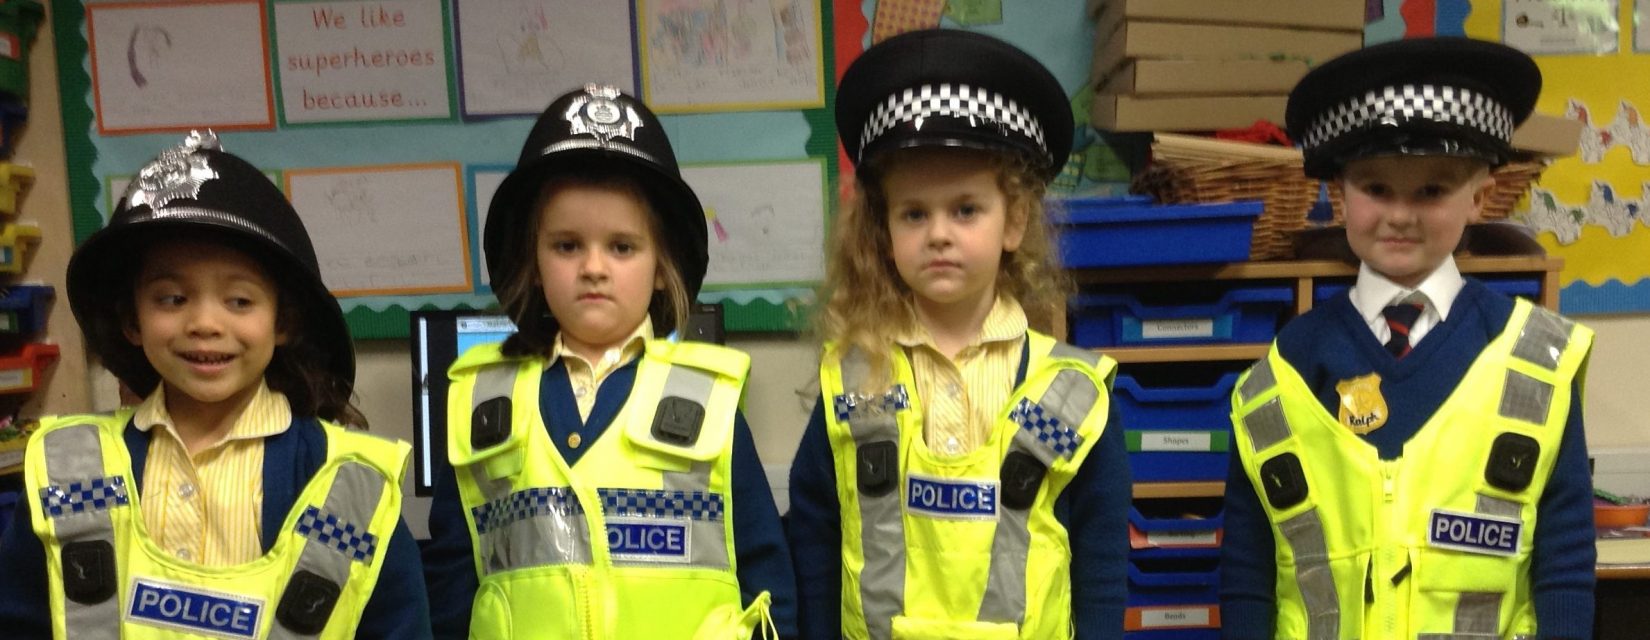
(1400, 318)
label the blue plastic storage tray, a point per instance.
(23, 308)
(1512, 287)
(1124, 232)
(1176, 433)
(1243, 314)
(1174, 634)
(1153, 537)
(1161, 600)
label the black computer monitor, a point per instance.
(437, 338)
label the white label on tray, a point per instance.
(1181, 538)
(14, 379)
(1177, 328)
(1174, 441)
(1187, 617)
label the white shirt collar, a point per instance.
(1374, 291)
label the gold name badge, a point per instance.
(1363, 409)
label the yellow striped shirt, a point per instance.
(962, 397)
(207, 508)
(586, 376)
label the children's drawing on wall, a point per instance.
(172, 67)
(1561, 26)
(516, 55)
(1627, 130)
(1616, 215)
(730, 55)
(774, 236)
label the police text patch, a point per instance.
(649, 539)
(187, 608)
(951, 498)
(1475, 533)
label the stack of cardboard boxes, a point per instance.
(1193, 65)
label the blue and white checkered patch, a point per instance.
(339, 534)
(525, 504)
(847, 404)
(96, 494)
(698, 505)
(1047, 428)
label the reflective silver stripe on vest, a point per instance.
(493, 381)
(1260, 379)
(1313, 576)
(1063, 350)
(533, 527)
(1526, 398)
(338, 536)
(882, 527)
(74, 460)
(1543, 338)
(1493, 506)
(1478, 612)
(1266, 425)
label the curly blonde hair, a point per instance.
(866, 303)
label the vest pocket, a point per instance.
(1462, 592)
(907, 628)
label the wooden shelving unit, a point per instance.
(1304, 276)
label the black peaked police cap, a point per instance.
(598, 129)
(1445, 96)
(197, 187)
(953, 88)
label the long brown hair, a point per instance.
(866, 303)
(519, 293)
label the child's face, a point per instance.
(206, 322)
(949, 224)
(598, 265)
(1406, 214)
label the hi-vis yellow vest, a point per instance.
(960, 547)
(638, 541)
(1435, 544)
(110, 580)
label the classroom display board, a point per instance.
(1592, 209)
(390, 123)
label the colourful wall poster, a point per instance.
(362, 61)
(1591, 208)
(730, 55)
(1561, 26)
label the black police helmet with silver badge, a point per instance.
(197, 187)
(598, 129)
(1428, 96)
(953, 88)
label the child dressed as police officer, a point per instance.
(231, 503)
(1410, 457)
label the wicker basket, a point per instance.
(1188, 169)
(1512, 181)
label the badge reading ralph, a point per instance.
(1363, 409)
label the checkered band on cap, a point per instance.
(697, 505)
(1047, 428)
(96, 494)
(342, 535)
(525, 504)
(957, 101)
(1407, 103)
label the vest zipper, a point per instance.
(1389, 605)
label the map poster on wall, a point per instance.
(515, 56)
(387, 229)
(170, 67)
(730, 55)
(362, 61)
(1561, 26)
